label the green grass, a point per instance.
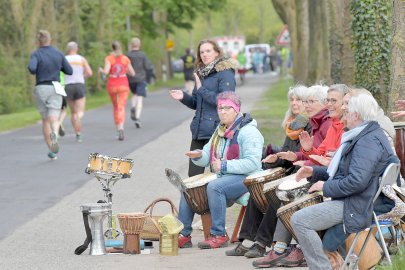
(29, 116)
(398, 262)
(270, 111)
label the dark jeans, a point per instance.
(257, 226)
(192, 168)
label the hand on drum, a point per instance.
(194, 154)
(324, 161)
(318, 186)
(270, 158)
(176, 94)
(216, 165)
(291, 156)
(306, 141)
(304, 172)
(197, 81)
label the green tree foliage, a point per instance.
(372, 45)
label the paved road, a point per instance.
(40, 199)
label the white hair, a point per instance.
(317, 91)
(72, 46)
(365, 105)
(294, 91)
(343, 89)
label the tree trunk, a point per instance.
(397, 79)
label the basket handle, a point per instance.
(152, 205)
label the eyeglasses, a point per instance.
(224, 108)
(309, 101)
(331, 101)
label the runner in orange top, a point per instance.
(117, 66)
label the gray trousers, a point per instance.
(281, 234)
(307, 221)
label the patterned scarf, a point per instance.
(232, 134)
(206, 70)
(295, 125)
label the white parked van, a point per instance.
(250, 48)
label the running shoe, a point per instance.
(61, 131)
(54, 143)
(52, 156)
(78, 138)
(133, 114)
(121, 135)
(138, 123)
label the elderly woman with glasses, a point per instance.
(233, 152)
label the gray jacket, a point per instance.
(141, 65)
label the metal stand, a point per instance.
(110, 233)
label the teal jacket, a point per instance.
(250, 142)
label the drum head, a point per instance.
(265, 173)
(290, 183)
(199, 180)
(398, 125)
(272, 185)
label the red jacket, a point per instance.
(320, 124)
(330, 143)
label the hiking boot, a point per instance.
(138, 123)
(255, 251)
(295, 258)
(239, 250)
(52, 156)
(121, 135)
(271, 259)
(78, 138)
(214, 241)
(61, 131)
(184, 241)
(54, 143)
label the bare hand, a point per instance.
(291, 156)
(194, 154)
(270, 159)
(324, 161)
(398, 114)
(306, 141)
(299, 163)
(318, 186)
(216, 165)
(400, 104)
(176, 94)
(197, 81)
(304, 172)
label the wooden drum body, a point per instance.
(269, 190)
(111, 166)
(285, 212)
(255, 184)
(400, 144)
(290, 190)
(131, 225)
(197, 198)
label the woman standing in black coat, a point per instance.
(214, 74)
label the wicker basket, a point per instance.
(151, 228)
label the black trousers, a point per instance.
(192, 168)
(257, 226)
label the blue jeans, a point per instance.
(220, 192)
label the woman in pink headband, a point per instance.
(233, 152)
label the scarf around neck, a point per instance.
(206, 70)
(347, 137)
(295, 125)
(231, 134)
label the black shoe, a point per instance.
(121, 135)
(255, 251)
(133, 118)
(61, 131)
(138, 123)
(239, 250)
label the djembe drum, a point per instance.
(97, 212)
(255, 183)
(196, 197)
(290, 190)
(285, 212)
(131, 225)
(400, 143)
(269, 190)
